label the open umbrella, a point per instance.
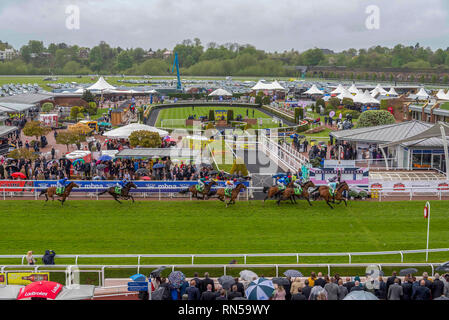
(40, 289)
(146, 178)
(279, 175)
(138, 277)
(226, 282)
(293, 274)
(176, 278)
(101, 166)
(407, 271)
(441, 298)
(260, 289)
(19, 175)
(159, 166)
(105, 158)
(360, 295)
(316, 291)
(281, 281)
(444, 267)
(10, 292)
(157, 272)
(248, 275)
(143, 172)
(78, 161)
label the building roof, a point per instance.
(27, 98)
(383, 134)
(156, 152)
(15, 107)
(5, 130)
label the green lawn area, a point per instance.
(184, 113)
(208, 227)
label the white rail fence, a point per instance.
(384, 194)
(245, 256)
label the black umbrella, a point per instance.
(441, 298)
(143, 172)
(157, 272)
(293, 274)
(281, 281)
(405, 272)
(444, 267)
(226, 282)
(213, 172)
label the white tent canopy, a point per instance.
(359, 97)
(345, 95)
(369, 99)
(338, 90)
(267, 86)
(442, 96)
(392, 92)
(314, 90)
(422, 94)
(220, 92)
(378, 90)
(353, 89)
(101, 85)
(126, 131)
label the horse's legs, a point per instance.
(308, 200)
(115, 198)
(46, 197)
(132, 198)
(328, 203)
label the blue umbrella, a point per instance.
(159, 166)
(260, 289)
(105, 158)
(138, 277)
(279, 175)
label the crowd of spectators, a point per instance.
(315, 287)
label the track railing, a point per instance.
(245, 256)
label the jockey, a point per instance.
(120, 185)
(230, 185)
(61, 184)
(332, 184)
(281, 183)
(202, 182)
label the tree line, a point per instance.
(230, 59)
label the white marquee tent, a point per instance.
(313, 90)
(353, 89)
(422, 94)
(345, 94)
(101, 85)
(378, 90)
(442, 96)
(220, 93)
(126, 131)
(338, 90)
(392, 92)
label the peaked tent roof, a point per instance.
(442, 96)
(383, 134)
(353, 89)
(367, 98)
(338, 90)
(277, 86)
(378, 89)
(314, 90)
(392, 92)
(422, 94)
(220, 92)
(359, 97)
(345, 94)
(101, 85)
(126, 131)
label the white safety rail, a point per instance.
(245, 256)
(102, 269)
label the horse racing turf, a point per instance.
(194, 227)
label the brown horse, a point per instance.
(324, 193)
(289, 193)
(195, 192)
(51, 192)
(124, 194)
(222, 195)
(273, 191)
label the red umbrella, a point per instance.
(41, 289)
(146, 178)
(19, 175)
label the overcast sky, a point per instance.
(273, 25)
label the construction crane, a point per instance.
(176, 64)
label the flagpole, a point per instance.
(428, 231)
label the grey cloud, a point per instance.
(274, 25)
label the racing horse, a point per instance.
(324, 193)
(274, 191)
(124, 193)
(206, 191)
(51, 192)
(234, 194)
(290, 193)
